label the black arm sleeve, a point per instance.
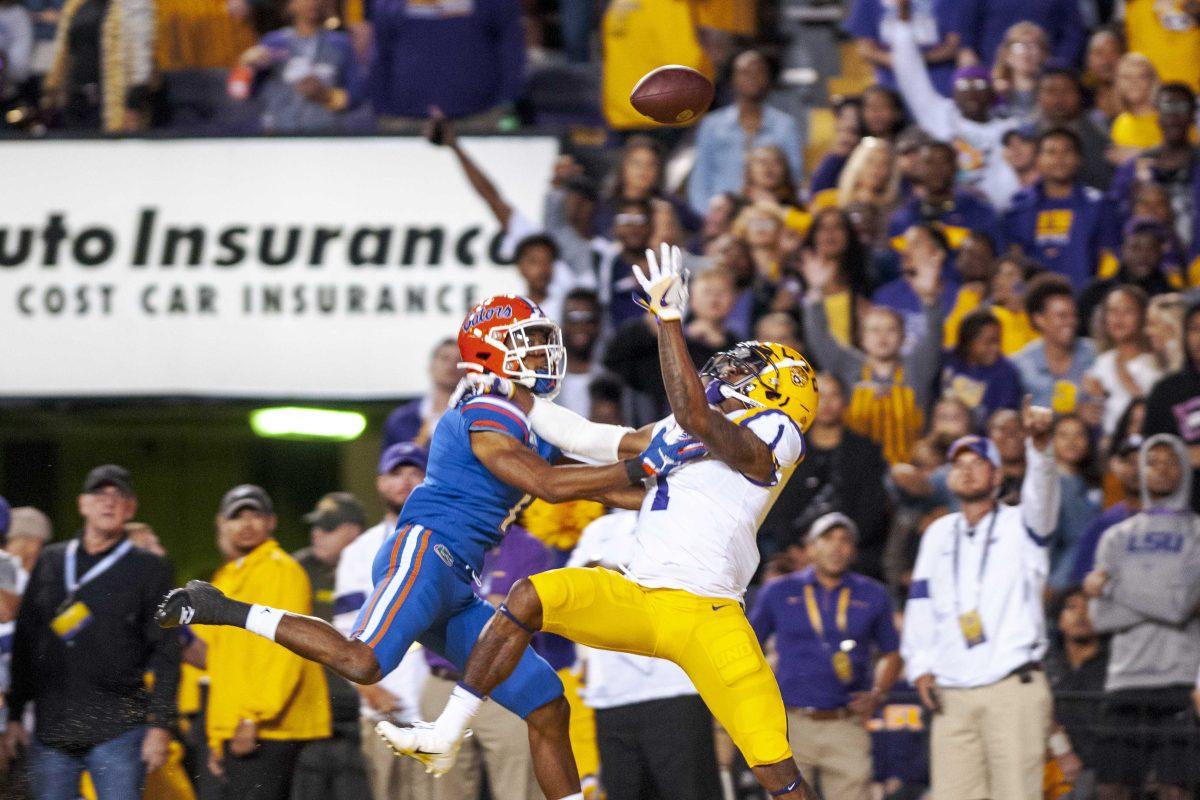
(164, 654)
(29, 626)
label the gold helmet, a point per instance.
(765, 375)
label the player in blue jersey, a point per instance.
(485, 464)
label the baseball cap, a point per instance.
(984, 448)
(5, 516)
(1027, 132)
(246, 495)
(28, 521)
(334, 509)
(109, 475)
(1149, 225)
(403, 453)
(827, 522)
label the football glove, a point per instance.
(664, 285)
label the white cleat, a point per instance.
(418, 741)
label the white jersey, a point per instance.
(697, 530)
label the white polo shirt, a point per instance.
(351, 587)
(998, 570)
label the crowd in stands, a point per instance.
(1011, 209)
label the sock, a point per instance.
(459, 711)
(263, 620)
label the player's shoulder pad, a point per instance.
(489, 413)
(773, 426)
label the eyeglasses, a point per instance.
(1180, 108)
(970, 84)
(630, 219)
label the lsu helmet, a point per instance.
(765, 375)
(504, 334)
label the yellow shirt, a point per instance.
(1015, 329)
(1136, 130)
(252, 678)
(732, 16)
(638, 36)
(839, 309)
(965, 302)
(1167, 35)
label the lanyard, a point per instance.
(814, 613)
(987, 548)
(96, 571)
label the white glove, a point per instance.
(665, 285)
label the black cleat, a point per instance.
(198, 603)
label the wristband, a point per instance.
(1060, 744)
(634, 471)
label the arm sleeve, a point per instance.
(277, 671)
(1171, 603)
(921, 365)
(887, 638)
(575, 435)
(164, 655)
(1108, 616)
(700, 181)
(845, 361)
(28, 628)
(491, 414)
(918, 644)
(1041, 495)
(932, 112)
(762, 615)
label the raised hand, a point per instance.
(664, 454)
(1038, 422)
(664, 284)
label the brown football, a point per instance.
(672, 95)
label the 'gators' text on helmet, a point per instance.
(511, 336)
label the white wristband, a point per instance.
(263, 620)
(576, 435)
(1060, 744)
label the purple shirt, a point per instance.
(805, 670)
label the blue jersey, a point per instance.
(460, 500)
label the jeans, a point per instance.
(116, 768)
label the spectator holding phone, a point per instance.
(310, 74)
(974, 628)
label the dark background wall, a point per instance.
(183, 456)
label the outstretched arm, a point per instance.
(737, 446)
(441, 131)
(665, 286)
(518, 466)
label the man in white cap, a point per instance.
(974, 627)
(838, 656)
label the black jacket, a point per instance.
(92, 688)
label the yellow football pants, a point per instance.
(709, 638)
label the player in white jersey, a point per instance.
(695, 550)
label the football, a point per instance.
(672, 95)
